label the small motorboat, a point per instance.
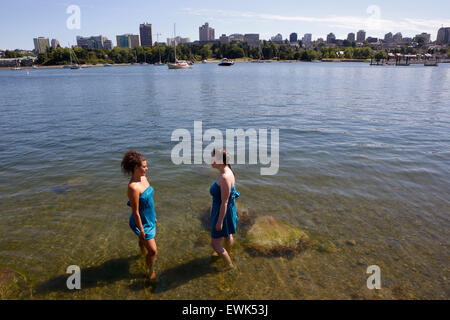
(226, 62)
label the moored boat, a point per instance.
(178, 64)
(226, 62)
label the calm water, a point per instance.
(364, 156)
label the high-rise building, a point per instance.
(145, 31)
(360, 36)
(128, 41)
(224, 39)
(206, 33)
(178, 39)
(108, 45)
(388, 37)
(307, 38)
(331, 38)
(277, 38)
(443, 36)
(123, 41)
(94, 42)
(426, 37)
(351, 37)
(293, 37)
(135, 41)
(55, 43)
(236, 37)
(252, 39)
(397, 37)
(41, 44)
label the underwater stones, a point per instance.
(6, 275)
(203, 239)
(245, 219)
(71, 184)
(271, 236)
(205, 218)
(324, 247)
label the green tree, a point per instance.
(379, 55)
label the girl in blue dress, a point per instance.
(223, 209)
(143, 217)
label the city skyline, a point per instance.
(106, 18)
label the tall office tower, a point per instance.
(123, 41)
(443, 36)
(145, 31)
(388, 37)
(293, 37)
(361, 36)
(135, 41)
(307, 38)
(351, 37)
(41, 44)
(331, 38)
(206, 33)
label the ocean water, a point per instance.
(364, 169)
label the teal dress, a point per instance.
(147, 214)
(230, 219)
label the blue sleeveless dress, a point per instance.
(230, 219)
(147, 214)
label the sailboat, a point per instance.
(159, 51)
(261, 56)
(71, 65)
(177, 64)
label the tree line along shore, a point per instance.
(214, 51)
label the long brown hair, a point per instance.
(225, 157)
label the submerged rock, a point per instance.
(245, 219)
(71, 184)
(202, 240)
(324, 246)
(6, 275)
(271, 236)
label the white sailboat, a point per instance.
(159, 51)
(71, 65)
(177, 64)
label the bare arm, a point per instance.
(133, 196)
(225, 190)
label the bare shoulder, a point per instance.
(227, 179)
(133, 187)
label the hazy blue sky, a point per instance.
(21, 21)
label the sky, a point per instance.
(22, 21)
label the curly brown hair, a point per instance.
(131, 159)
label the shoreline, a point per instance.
(240, 60)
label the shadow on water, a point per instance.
(109, 271)
(177, 276)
